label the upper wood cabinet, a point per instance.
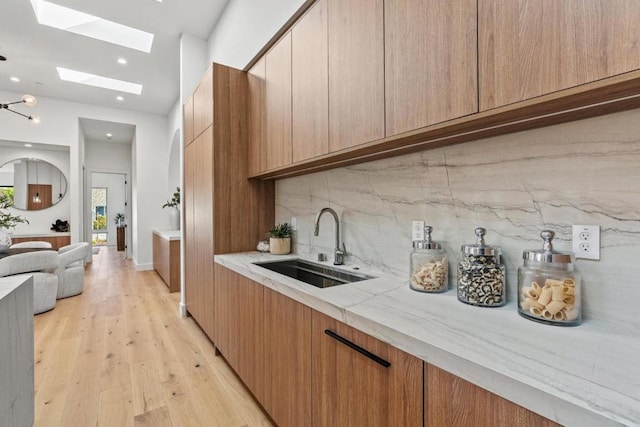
(430, 62)
(530, 48)
(356, 72)
(257, 117)
(287, 359)
(352, 389)
(452, 401)
(310, 84)
(203, 104)
(278, 104)
(187, 121)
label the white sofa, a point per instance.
(42, 265)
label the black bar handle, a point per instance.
(357, 348)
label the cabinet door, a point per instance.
(203, 104)
(190, 236)
(430, 62)
(310, 84)
(256, 119)
(278, 96)
(350, 388)
(199, 229)
(239, 326)
(356, 72)
(287, 360)
(529, 48)
(187, 121)
(452, 401)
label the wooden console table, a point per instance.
(166, 257)
(57, 240)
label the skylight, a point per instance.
(99, 81)
(71, 20)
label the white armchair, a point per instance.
(71, 269)
(42, 266)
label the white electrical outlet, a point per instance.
(294, 223)
(417, 230)
(586, 241)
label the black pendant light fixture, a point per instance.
(28, 100)
(36, 198)
(60, 187)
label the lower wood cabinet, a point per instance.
(452, 401)
(166, 260)
(308, 369)
(361, 381)
(239, 326)
(287, 358)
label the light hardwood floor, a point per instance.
(120, 355)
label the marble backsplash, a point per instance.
(585, 172)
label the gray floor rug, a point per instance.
(96, 250)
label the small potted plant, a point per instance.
(7, 221)
(174, 211)
(119, 219)
(280, 239)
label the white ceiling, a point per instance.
(97, 130)
(33, 51)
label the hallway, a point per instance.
(120, 355)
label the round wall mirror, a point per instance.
(33, 184)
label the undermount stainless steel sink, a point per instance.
(314, 274)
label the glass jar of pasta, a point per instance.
(429, 269)
(481, 274)
(549, 286)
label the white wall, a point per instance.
(245, 27)
(40, 221)
(59, 126)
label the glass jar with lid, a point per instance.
(481, 274)
(549, 286)
(429, 268)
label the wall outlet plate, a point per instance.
(294, 223)
(417, 230)
(586, 241)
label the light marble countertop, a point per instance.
(581, 376)
(168, 234)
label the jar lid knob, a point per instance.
(547, 236)
(480, 232)
(427, 231)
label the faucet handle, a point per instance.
(339, 254)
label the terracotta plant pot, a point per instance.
(280, 246)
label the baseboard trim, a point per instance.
(143, 267)
(182, 310)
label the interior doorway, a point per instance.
(108, 210)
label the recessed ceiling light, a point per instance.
(122, 61)
(99, 81)
(28, 145)
(76, 22)
(109, 136)
(119, 98)
(15, 79)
